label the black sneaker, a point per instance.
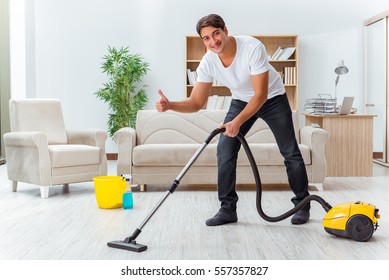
(222, 218)
(301, 217)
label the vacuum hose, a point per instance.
(258, 184)
(130, 242)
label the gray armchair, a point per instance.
(40, 151)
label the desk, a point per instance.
(349, 149)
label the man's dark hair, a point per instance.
(213, 20)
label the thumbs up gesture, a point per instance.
(163, 104)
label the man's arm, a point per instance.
(260, 85)
(193, 103)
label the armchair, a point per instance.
(41, 151)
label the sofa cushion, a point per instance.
(73, 155)
(190, 128)
(179, 128)
(180, 154)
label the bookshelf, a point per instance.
(195, 50)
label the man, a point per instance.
(241, 64)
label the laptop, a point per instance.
(347, 104)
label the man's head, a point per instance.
(213, 32)
(213, 20)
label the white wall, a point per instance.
(70, 37)
(17, 48)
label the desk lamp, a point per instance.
(341, 69)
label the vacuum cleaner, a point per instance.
(354, 220)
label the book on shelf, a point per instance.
(286, 53)
(211, 102)
(192, 76)
(218, 102)
(227, 102)
(290, 76)
(276, 53)
(281, 73)
(216, 83)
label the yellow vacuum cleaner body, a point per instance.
(355, 220)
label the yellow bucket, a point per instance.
(109, 191)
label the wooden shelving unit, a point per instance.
(195, 50)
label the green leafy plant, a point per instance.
(123, 93)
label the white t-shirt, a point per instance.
(250, 59)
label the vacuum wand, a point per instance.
(129, 243)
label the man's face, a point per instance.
(214, 38)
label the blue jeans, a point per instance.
(277, 114)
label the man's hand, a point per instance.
(232, 128)
(162, 104)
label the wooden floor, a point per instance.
(70, 226)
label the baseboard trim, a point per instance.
(386, 164)
(112, 156)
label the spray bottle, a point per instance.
(128, 202)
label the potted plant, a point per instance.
(123, 92)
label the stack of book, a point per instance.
(192, 76)
(282, 53)
(290, 76)
(218, 102)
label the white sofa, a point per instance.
(157, 150)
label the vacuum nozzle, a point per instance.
(129, 243)
(132, 246)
